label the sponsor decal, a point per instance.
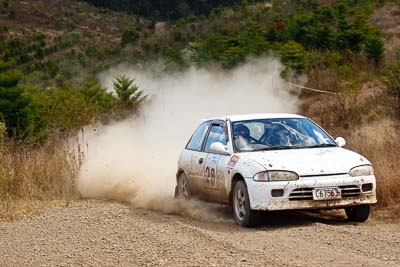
(233, 161)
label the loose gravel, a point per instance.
(103, 233)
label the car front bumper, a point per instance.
(298, 194)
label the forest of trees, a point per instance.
(164, 9)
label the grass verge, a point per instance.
(32, 176)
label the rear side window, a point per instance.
(196, 141)
(217, 134)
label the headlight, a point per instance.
(272, 176)
(361, 171)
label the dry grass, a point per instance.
(380, 143)
(35, 174)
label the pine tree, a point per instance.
(374, 48)
(127, 91)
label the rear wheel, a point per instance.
(244, 216)
(182, 189)
(358, 213)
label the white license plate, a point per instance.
(327, 193)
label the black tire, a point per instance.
(358, 213)
(182, 189)
(242, 213)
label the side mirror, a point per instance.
(219, 148)
(340, 141)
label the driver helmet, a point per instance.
(241, 130)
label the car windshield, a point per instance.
(272, 134)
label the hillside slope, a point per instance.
(45, 35)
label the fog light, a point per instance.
(277, 192)
(367, 187)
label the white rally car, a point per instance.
(265, 162)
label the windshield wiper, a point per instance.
(277, 148)
(293, 147)
(321, 145)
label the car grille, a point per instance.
(348, 191)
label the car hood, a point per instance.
(308, 161)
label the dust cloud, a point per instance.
(135, 160)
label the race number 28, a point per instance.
(210, 176)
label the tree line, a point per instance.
(164, 9)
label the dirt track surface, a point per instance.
(101, 233)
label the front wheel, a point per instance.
(244, 216)
(182, 189)
(358, 213)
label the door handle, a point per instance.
(201, 161)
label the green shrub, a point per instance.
(20, 114)
(4, 28)
(39, 53)
(174, 55)
(12, 14)
(3, 131)
(64, 109)
(9, 79)
(326, 59)
(129, 36)
(392, 81)
(293, 55)
(374, 48)
(6, 65)
(97, 96)
(127, 91)
(77, 32)
(24, 58)
(39, 37)
(176, 34)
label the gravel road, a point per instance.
(103, 233)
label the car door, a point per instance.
(215, 169)
(195, 157)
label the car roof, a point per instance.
(244, 117)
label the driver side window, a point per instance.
(217, 134)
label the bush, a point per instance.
(20, 114)
(6, 65)
(293, 55)
(374, 48)
(9, 79)
(392, 81)
(174, 55)
(3, 130)
(77, 32)
(12, 14)
(129, 36)
(17, 109)
(72, 107)
(97, 96)
(393, 78)
(127, 91)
